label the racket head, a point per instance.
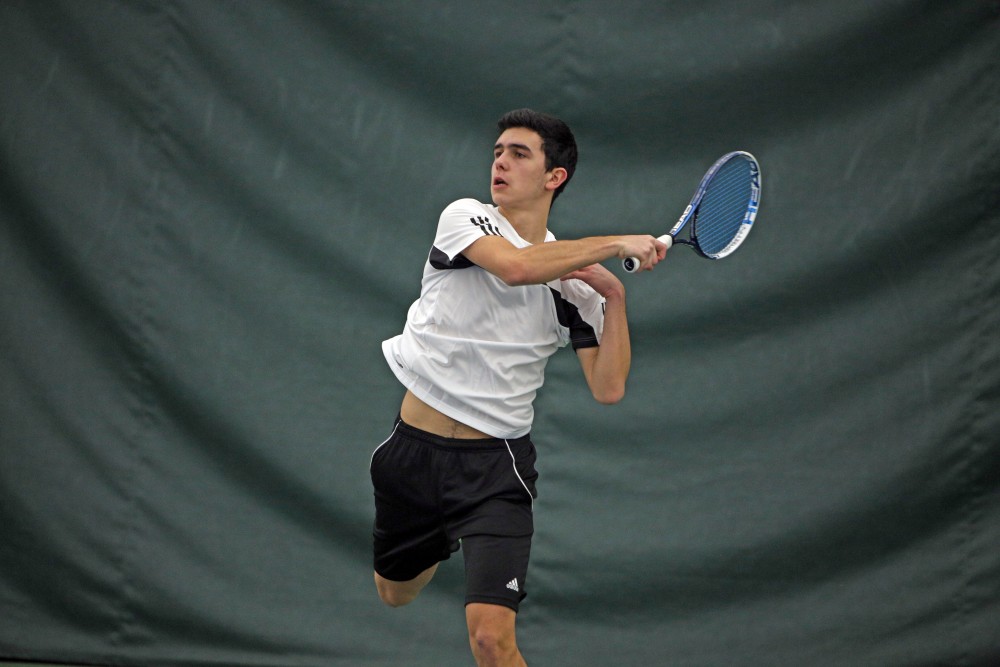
(725, 206)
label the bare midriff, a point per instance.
(419, 415)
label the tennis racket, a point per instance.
(722, 210)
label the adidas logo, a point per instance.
(512, 585)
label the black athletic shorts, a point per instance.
(435, 494)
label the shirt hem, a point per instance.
(412, 382)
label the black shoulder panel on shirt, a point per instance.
(581, 334)
(439, 260)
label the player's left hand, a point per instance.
(603, 281)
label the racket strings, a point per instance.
(723, 206)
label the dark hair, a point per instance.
(557, 139)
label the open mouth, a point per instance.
(498, 181)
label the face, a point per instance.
(518, 175)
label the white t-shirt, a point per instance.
(474, 347)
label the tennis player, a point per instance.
(499, 296)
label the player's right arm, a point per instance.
(543, 262)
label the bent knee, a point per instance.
(393, 596)
(396, 600)
(400, 593)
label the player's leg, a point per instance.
(399, 593)
(496, 567)
(408, 538)
(492, 636)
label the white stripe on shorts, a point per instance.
(513, 464)
(372, 459)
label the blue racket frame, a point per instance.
(753, 205)
(631, 264)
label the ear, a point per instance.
(555, 178)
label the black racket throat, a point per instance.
(693, 241)
(694, 244)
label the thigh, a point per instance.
(496, 569)
(408, 534)
(491, 490)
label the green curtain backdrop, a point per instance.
(211, 213)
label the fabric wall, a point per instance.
(211, 213)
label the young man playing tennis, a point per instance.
(499, 295)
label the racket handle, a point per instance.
(631, 264)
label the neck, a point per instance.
(531, 224)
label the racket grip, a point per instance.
(631, 264)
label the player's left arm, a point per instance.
(606, 367)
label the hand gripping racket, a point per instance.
(722, 210)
